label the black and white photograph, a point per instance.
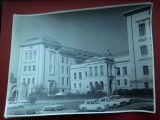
(84, 61)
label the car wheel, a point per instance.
(115, 105)
(124, 103)
(84, 109)
(99, 109)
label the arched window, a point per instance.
(101, 70)
(90, 71)
(96, 70)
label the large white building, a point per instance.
(140, 47)
(44, 61)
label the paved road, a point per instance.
(74, 105)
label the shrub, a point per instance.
(32, 98)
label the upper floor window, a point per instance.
(62, 59)
(90, 71)
(74, 85)
(34, 68)
(85, 73)
(33, 80)
(142, 29)
(26, 56)
(51, 62)
(75, 76)
(29, 68)
(96, 70)
(25, 68)
(124, 70)
(80, 85)
(28, 80)
(101, 70)
(125, 81)
(118, 82)
(144, 50)
(145, 70)
(62, 80)
(30, 55)
(80, 75)
(118, 71)
(23, 80)
(67, 69)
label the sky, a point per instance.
(91, 30)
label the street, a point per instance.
(74, 105)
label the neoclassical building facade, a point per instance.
(44, 61)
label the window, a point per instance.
(34, 68)
(107, 70)
(145, 70)
(142, 29)
(144, 50)
(62, 69)
(62, 80)
(30, 55)
(67, 69)
(101, 70)
(62, 59)
(74, 85)
(80, 75)
(29, 68)
(80, 85)
(33, 80)
(25, 68)
(26, 56)
(35, 55)
(118, 82)
(124, 70)
(118, 71)
(51, 62)
(125, 81)
(90, 71)
(67, 80)
(85, 73)
(96, 70)
(28, 80)
(75, 76)
(111, 70)
(146, 85)
(23, 80)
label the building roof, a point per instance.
(44, 39)
(137, 10)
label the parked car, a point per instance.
(121, 99)
(110, 102)
(50, 109)
(13, 104)
(93, 105)
(25, 112)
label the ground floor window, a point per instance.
(146, 85)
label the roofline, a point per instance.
(137, 10)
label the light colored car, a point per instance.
(121, 99)
(13, 104)
(110, 102)
(51, 109)
(92, 105)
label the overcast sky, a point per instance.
(91, 30)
